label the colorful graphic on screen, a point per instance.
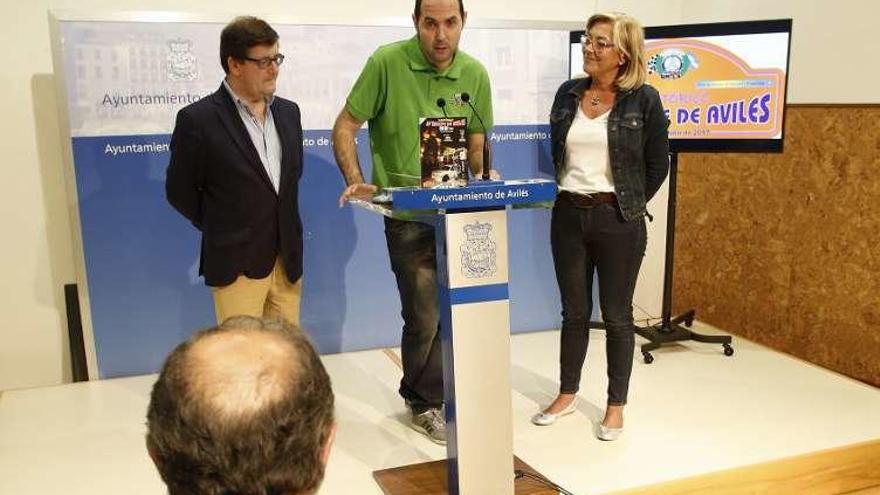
(708, 91)
(723, 85)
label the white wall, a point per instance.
(37, 257)
(832, 49)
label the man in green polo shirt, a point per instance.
(400, 84)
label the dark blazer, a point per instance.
(217, 181)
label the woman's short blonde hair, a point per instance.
(628, 36)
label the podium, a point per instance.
(472, 272)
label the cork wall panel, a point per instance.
(784, 249)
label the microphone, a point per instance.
(487, 150)
(442, 104)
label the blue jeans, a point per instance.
(591, 239)
(412, 250)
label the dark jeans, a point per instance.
(412, 251)
(583, 240)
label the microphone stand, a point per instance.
(441, 102)
(487, 150)
(487, 157)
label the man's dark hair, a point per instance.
(242, 34)
(243, 408)
(417, 12)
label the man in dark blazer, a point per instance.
(236, 160)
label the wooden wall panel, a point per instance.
(784, 249)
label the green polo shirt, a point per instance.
(397, 88)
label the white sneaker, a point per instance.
(546, 419)
(432, 424)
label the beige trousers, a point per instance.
(270, 297)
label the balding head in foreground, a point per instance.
(242, 409)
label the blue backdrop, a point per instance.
(124, 81)
(142, 257)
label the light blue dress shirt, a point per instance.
(264, 135)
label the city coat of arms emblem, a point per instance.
(478, 251)
(180, 61)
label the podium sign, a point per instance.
(475, 332)
(480, 195)
(472, 273)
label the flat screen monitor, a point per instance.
(723, 85)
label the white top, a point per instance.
(587, 164)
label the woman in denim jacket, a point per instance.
(610, 149)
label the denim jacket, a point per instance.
(638, 141)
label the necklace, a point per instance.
(594, 100)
